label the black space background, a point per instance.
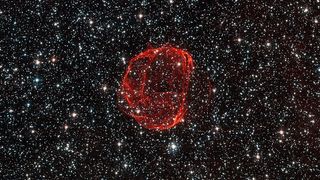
(261, 90)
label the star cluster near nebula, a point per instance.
(62, 64)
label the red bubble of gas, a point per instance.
(155, 85)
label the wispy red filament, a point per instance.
(155, 85)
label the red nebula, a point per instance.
(155, 85)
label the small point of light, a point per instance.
(90, 22)
(305, 10)
(268, 44)
(239, 39)
(179, 64)
(258, 156)
(281, 132)
(37, 62)
(214, 90)
(140, 15)
(119, 144)
(74, 114)
(104, 88)
(316, 21)
(123, 60)
(173, 146)
(66, 127)
(138, 111)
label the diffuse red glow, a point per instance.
(155, 86)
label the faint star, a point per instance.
(140, 15)
(74, 114)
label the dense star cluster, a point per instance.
(61, 64)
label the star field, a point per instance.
(61, 64)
